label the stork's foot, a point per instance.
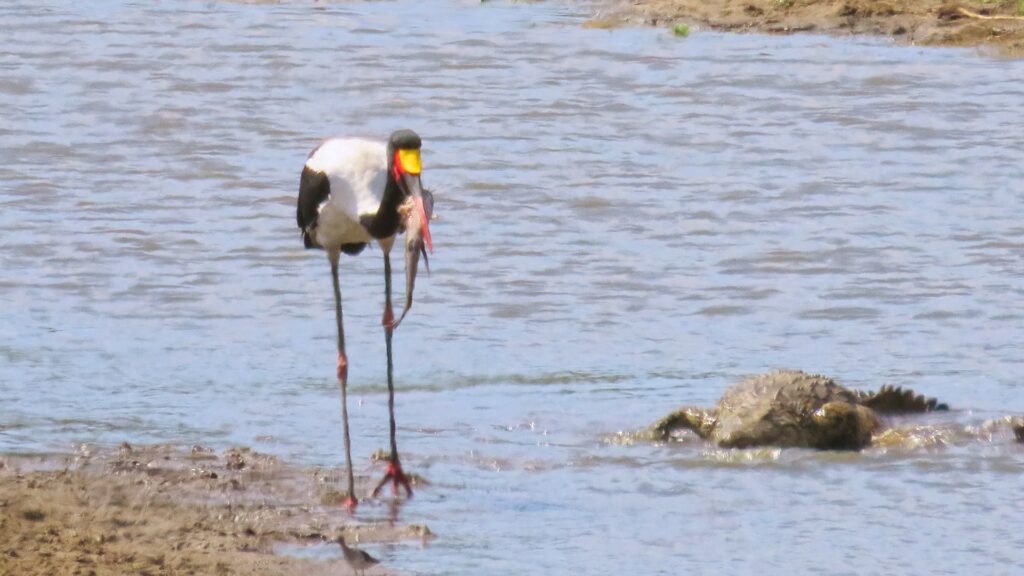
(394, 325)
(342, 367)
(350, 503)
(389, 317)
(397, 477)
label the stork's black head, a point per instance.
(404, 169)
(405, 139)
(413, 207)
(404, 161)
(404, 155)
(403, 184)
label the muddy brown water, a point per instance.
(628, 221)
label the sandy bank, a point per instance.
(995, 24)
(162, 510)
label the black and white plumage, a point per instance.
(353, 192)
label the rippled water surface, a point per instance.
(628, 222)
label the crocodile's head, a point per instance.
(1018, 429)
(843, 426)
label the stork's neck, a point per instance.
(387, 220)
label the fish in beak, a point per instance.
(415, 212)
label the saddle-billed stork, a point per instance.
(352, 192)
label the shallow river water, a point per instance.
(628, 221)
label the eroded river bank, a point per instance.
(997, 24)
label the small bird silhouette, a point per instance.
(358, 560)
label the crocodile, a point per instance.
(791, 408)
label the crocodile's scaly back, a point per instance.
(776, 408)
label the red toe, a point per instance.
(398, 478)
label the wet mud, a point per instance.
(164, 510)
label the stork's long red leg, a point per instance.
(350, 500)
(394, 471)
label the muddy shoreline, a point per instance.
(164, 510)
(995, 25)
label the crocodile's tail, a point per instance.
(896, 400)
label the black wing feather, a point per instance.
(314, 189)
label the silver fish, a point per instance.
(416, 212)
